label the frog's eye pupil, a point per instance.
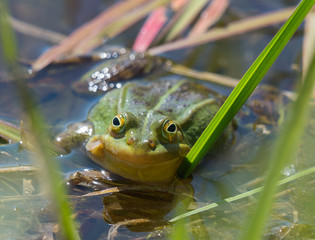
(116, 122)
(169, 131)
(171, 128)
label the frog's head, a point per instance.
(144, 148)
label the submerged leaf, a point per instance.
(112, 72)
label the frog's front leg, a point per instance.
(74, 135)
(96, 179)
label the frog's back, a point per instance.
(173, 97)
(190, 104)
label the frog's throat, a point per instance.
(129, 166)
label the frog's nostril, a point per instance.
(152, 144)
(130, 141)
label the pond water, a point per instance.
(235, 169)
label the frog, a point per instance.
(143, 130)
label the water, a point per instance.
(224, 174)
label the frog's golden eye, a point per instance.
(118, 123)
(169, 131)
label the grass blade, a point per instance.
(36, 32)
(177, 7)
(243, 195)
(235, 28)
(209, 16)
(286, 147)
(308, 41)
(9, 131)
(192, 9)
(6, 35)
(49, 166)
(118, 26)
(206, 76)
(92, 27)
(244, 89)
(150, 29)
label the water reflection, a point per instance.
(125, 204)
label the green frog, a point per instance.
(144, 130)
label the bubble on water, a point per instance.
(289, 170)
(103, 55)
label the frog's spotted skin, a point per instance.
(144, 130)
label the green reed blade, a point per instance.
(37, 125)
(285, 148)
(249, 193)
(9, 131)
(244, 89)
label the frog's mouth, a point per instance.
(137, 165)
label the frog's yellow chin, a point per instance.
(149, 168)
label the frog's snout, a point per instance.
(145, 144)
(130, 140)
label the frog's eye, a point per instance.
(169, 131)
(118, 123)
